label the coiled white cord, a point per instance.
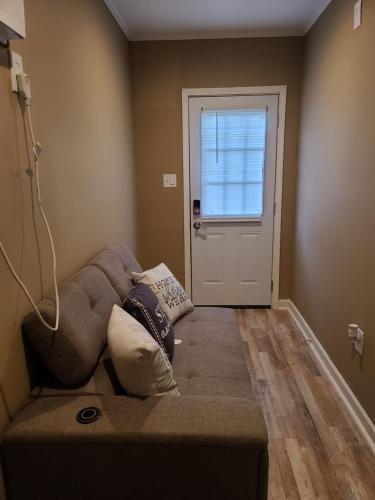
(36, 153)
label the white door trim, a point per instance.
(281, 91)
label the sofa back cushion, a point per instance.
(117, 263)
(71, 353)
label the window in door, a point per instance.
(233, 145)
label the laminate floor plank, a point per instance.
(316, 451)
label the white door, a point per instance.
(233, 144)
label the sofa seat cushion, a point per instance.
(104, 381)
(210, 360)
(216, 314)
(217, 387)
(207, 332)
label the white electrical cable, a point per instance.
(36, 154)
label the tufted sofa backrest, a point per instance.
(86, 300)
(117, 263)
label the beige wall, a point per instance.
(77, 58)
(335, 233)
(159, 71)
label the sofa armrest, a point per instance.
(169, 447)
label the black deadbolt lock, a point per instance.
(197, 207)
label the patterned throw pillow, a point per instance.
(145, 307)
(141, 365)
(172, 297)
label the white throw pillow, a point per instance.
(142, 367)
(172, 297)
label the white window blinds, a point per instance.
(233, 145)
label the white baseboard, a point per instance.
(363, 421)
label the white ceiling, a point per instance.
(185, 19)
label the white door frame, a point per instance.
(281, 91)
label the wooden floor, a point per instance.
(315, 449)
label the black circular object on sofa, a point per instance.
(88, 415)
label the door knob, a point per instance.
(197, 224)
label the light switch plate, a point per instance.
(169, 180)
(16, 67)
(357, 14)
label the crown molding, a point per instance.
(218, 35)
(118, 14)
(119, 17)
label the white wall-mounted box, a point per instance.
(12, 20)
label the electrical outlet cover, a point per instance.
(15, 69)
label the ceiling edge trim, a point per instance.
(311, 23)
(115, 11)
(121, 21)
(214, 36)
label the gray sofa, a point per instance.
(210, 443)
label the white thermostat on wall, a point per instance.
(12, 20)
